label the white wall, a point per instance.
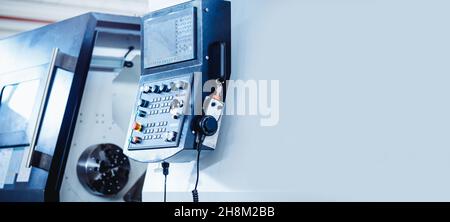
(364, 106)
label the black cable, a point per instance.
(165, 188)
(198, 168)
(204, 126)
(131, 48)
(128, 64)
(199, 149)
(165, 166)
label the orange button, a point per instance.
(137, 127)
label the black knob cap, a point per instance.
(156, 89)
(165, 88)
(207, 125)
(144, 103)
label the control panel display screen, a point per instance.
(169, 39)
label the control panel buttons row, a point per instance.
(156, 89)
(146, 104)
(158, 130)
(162, 111)
(168, 137)
(152, 137)
(139, 127)
(154, 106)
(159, 99)
(144, 114)
(164, 88)
(164, 123)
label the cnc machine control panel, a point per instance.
(184, 46)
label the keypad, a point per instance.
(160, 113)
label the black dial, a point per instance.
(156, 89)
(165, 88)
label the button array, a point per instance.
(151, 137)
(163, 98)
(157, 99)
(151, 125)
(155, 129)
(159, 107)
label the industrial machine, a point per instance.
(67, 93)
(48, 79)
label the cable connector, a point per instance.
(195, 195)
(165, 166)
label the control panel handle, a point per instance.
(223, 60)
(218, 62)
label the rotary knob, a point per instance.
(206, 125)
(156, 89)
(172, 86)
(181, 85)
(165, 88)
(146, 89)
(176, 108)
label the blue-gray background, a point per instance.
(364, 103)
